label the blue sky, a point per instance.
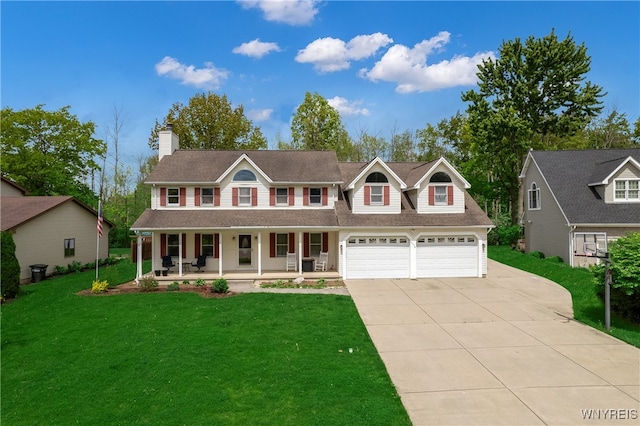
(385, 66)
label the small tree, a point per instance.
(625, 273)
(10, 273)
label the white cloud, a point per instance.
(256, 48)
(344, 107)
(331, 54)
(208, 77)
(410, 70)
(292, 12)
(259, 114)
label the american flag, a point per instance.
(100, 219)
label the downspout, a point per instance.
(572, 228)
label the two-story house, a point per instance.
(249, 211)
(575, 202)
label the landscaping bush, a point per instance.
(199, 282)
(10, 268)
(624, 254)
(148, 283)
(74, 267)
(556, 259)
(174, 286)
(537, 254)
(220, 286)
(504, 233)
(60, 270)
(99, 286)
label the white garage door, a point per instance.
(447, 256)
(377, 257)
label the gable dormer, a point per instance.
(617, 181)
(376, 190)
(440, 190)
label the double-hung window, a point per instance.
(244, 196)
(534, 197)
(440, 195)
(282, 197)
(173, 245)
(315, 196)
(69, 247)
(173, 196)
(627, 190)
(206, 244)
(282, 245)
(376, 195)
(206, 196)
(315, 244)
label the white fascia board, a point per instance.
(369, 166)
(442, 160)
(244, 156)
(605, 181)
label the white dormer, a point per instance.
(440, 190)
(376, 190)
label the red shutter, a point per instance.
(254, 196)
(163, 196)
(325, 196)
(216, 197)
(183, 196)
(292, 242)
(272, 197)
(367, 195)
(386, 195)
(305, 196)
(292, 197)
(163, 244)
(216, 246)
(272, 244)
(234, 196)
(325, 241)
(450, 195)
(196, 246)
(306, 244)
(432, 196)
(184, 246)
(197, 196)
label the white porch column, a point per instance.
(180, 254)
(153, 252)
(220, 254)
(300, 252)
(139, 256)
(259, 253)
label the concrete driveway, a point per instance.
(497, 350)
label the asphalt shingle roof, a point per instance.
(569, 174)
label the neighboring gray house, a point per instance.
(252, 211)
(575, 202)
(52, 230)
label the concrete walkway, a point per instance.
(497, 350)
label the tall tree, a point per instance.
(50, 152)
(533, 94)
(402, 147)
(209, 121)
(611, 131)
(316, 125)
(368, 147)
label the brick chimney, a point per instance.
(167, 141)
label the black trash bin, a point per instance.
(38, 272)
(307, 265)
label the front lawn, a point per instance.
(588, 308)
(178, 358)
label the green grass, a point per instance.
(588, 307)
(178, 358)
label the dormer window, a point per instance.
(440, 177)
(244, 176)
(534, 197)
(440, 194)
(627, 190)
(377, 177)
(374, 192)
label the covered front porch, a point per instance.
(244, 276)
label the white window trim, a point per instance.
(435, 195)
(242, 196)
(314, 203)
(286, 197)
(626, 190)
(381, 195)
(285, 244)
(177, 196)
(537, 194)
(206, 203)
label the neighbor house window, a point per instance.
(627, 190)
(206, 196)
(206, 244)
(69, 247)
(173, 245)
(315, 196)
(173, 196)
(282, 196)
(534, 197)
(315, 244)
(282, 245)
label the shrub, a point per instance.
(90, 265)
(74, 267)
(537, 254)
(99, 286)
(60, 270)
(504, 233)
(556, 259)
(625, 275)
(220, 286)
(9, 267)
(148, 283)
(322, 282)
(199, 282)
(174, 286)
(185, 282)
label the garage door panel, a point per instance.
(377, 261)
(457, 259)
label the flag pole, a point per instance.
(98, 235)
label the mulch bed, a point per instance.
(131, 287)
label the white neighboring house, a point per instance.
(246, 210)
(50, 230)
(577, 201)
